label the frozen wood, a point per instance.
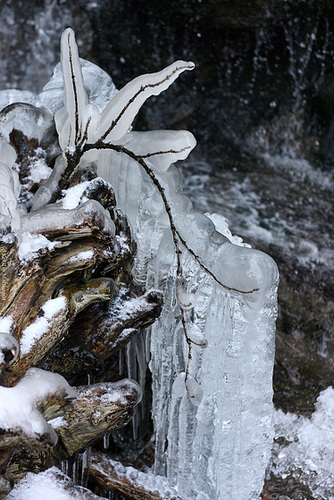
(99, 409)
(20, 454)
(101, 330)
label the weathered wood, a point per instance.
(5, 487)
(101, 330)
(99, 409)
(87, 264)
(111, 475)
(20, 453)
(26, 440)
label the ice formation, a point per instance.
(211, 351)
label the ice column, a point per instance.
(213, 427)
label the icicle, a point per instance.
(64, 466)
(131, 362)
(85, 466)
(120, 362)
(75, 471)
(106, 440)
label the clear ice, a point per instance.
(217, 423)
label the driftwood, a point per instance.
(100, 331)
(86, 264)
(21, 453)
(112, 476)
(99, 409)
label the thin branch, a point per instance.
(74, 90)
(175, 233)
(170, 151)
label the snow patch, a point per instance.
(72, 196)
(32, 244)
(87, 255)
(37, 329)
(18, 404)
(51, 484)
(6, 323)
(39, 170)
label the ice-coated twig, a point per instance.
(177, 237)
(81, 130)
(72, 121)
(119, 114)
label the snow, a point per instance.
(57, 422)
(51, 484)
(87, 255)
(113, 392)
(39, 170)
(309, 453)
(6, 323)
(18, 404)
(73, 195)
(41, 325)
(31, 245)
